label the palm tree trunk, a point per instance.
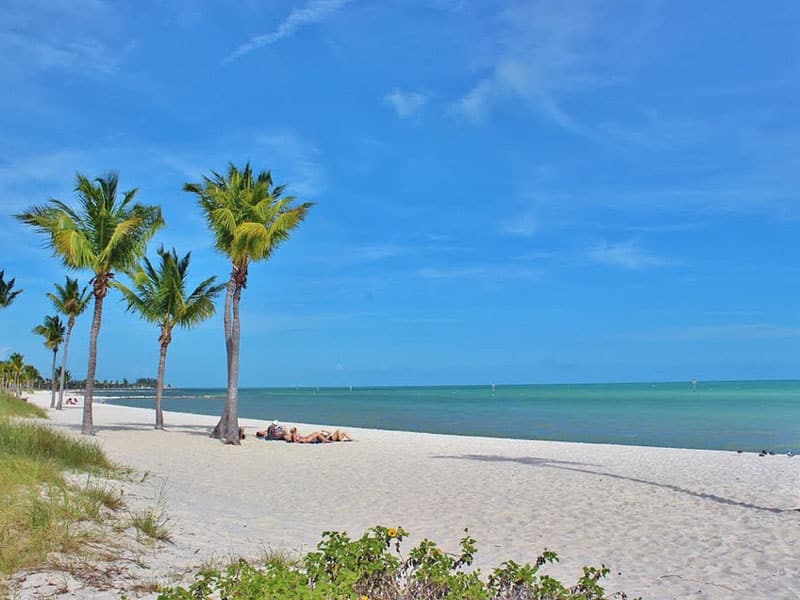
(219, 429)
(88, 396)
(231, 426)
(162, 364)
(53, 379)
(70, 325)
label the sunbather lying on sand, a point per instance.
(276, 431)
(312, 438)
(338, 436)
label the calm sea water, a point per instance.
(748, 415)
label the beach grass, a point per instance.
(42, 510)
(14, 407)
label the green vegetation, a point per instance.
(14, 407)
(6, 295)
(372, 568)
(70, 301)
(105, 234)
(249, 220)
(40, 511)
(15, 375)
(153, 524)
(159, 296)
(52, 330)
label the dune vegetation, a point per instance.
(42, 510)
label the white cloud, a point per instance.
(314, 12)
(627, 255)
(405, 104)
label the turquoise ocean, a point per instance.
(725, 415)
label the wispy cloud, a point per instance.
(405, 104)
(627, 255)
(548, 50)
(306, 175)
(733, 332)
(524, 224)
(485, 272)
(314, 12)
(76, 36)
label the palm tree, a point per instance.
(16, 365)
(249, 220)
(52, 330)
(31, 376)
(6, 295)
(70, 301)
(159, 296)
(103, 235)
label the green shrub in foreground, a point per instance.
(372, 568)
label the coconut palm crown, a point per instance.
(159, 295)
(6, 295)
(52, 330)
(103, 234)
(70, 300)
(249, 219)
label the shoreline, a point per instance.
(667, 521)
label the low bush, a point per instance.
(373, 568)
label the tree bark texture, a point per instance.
(219, 429)
(53, 380)
(60, 402)
(88, 423)
(165, 339)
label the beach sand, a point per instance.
(670, 523)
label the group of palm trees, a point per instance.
(106, 234)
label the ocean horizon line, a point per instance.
(479, 385)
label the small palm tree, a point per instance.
(159, 296)
(70, 301)
(103, 235)
(249, 220)
(6, 295)
(52, 330)
(16, 364)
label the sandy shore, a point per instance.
(670, 523)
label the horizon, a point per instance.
(564, 193)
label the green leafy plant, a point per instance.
(372, 567)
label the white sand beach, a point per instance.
(670, 523)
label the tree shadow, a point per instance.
(578, 468)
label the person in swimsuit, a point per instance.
(312, 438)
(338, 436)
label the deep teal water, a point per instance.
(748, 415)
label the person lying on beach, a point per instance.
(338, 436)
(315, 437)
(275, 431)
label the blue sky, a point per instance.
(506, 192)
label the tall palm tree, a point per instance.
(249, 220)
(6, 295)
(159, 296)
(103, 234)
(52, 330)
(70, 301)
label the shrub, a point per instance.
(373, 568)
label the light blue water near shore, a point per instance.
(748, 415)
